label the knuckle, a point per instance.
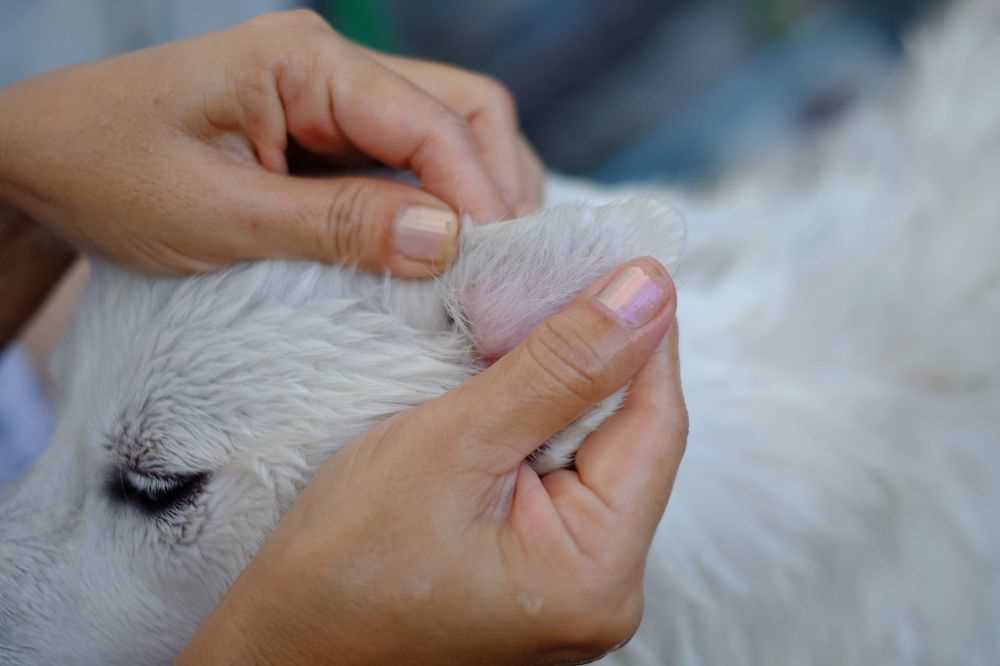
(450, 136)
(283, 22)
(253, 89)
(457, 131)
(306, 17)
(567, 358)
(269, 33)
(342, 232)
(262, 22)
(498, 97)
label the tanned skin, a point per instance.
(32, 262)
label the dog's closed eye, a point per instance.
(154, 494)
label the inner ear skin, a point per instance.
(511, 276)
(496, 326)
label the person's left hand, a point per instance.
(175, 159)
(429, 541)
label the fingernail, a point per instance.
(633, 297)
(426, 234)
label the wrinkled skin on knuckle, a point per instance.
(253, 87)
(298, 78)
(454, 132)
(344, 235)
(451, 135)
(568, 359)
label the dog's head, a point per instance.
(193, 411)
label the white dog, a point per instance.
(840, 496)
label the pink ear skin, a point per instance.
(497, 327)
(510, 277)
(487, 361)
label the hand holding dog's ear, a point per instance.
(451, 549)
(174, 159)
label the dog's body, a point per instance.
(838, 501)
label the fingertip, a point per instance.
(631, 461)
(373, 224)
(525, 209)
(637, 294)
(489, 211)
(656, 391)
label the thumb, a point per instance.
(374, 224)
(570, 362)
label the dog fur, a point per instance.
(838, 500)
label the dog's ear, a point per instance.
(512, 275)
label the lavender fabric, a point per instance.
(25, 414)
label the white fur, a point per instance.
(838, 501)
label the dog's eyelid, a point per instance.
(153, 493)
(155, 483)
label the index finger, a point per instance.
(631, 461)
(491, 112)
(392, 120)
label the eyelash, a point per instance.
(154, 495)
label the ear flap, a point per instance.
(512, 275)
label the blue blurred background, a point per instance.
(613, 90)
(638, 89)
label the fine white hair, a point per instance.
(837, 502)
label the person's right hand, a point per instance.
(429, 541)
(174, 159)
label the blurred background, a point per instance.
(612, 90)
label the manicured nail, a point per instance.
(426, 234)
(633, 297)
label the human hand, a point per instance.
(32, 261)
(429, 541)
(174, 159)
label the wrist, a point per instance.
(32, 258)
(28, 129)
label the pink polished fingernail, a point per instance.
(633, 297)
(426, 234)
